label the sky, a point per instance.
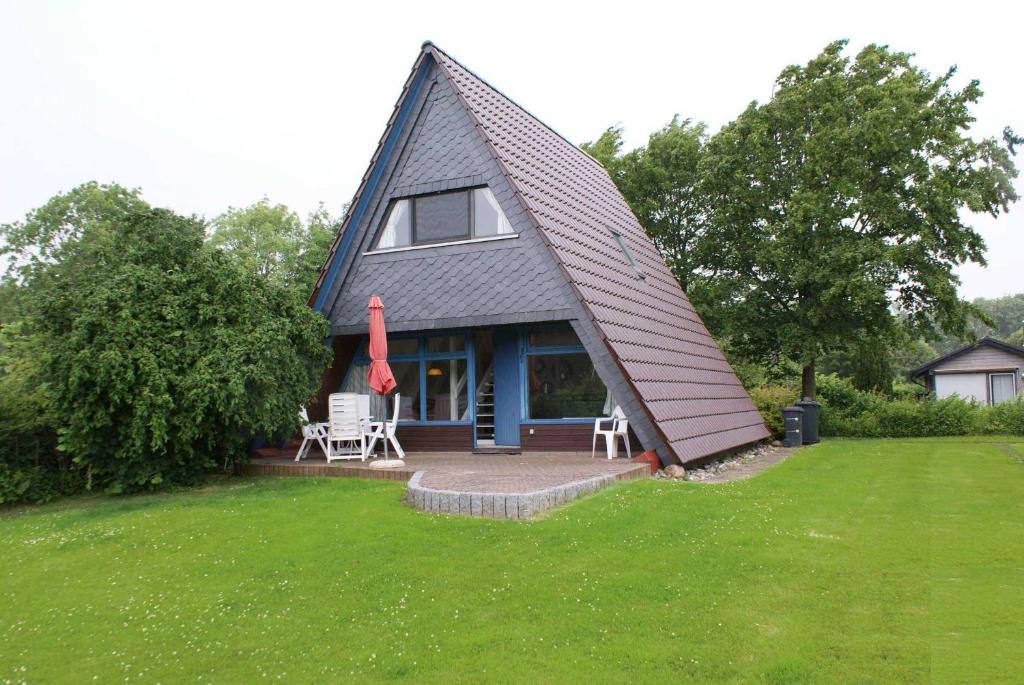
(206, 105)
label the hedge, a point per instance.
(849, 412)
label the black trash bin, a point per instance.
(792, 420)
(811, 410)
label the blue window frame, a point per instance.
(540, 347)
(558, 376)
(429, 352)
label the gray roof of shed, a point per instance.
(987, 341)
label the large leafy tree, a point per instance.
(274, 242)
(659, 181)
(1005, 314)
(844, 198)
(159, 354)
(1000, 317)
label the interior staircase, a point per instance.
(485, 410)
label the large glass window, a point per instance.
(398, 347)
(443, 217)
(407, 383)
(447, 390)
(564, 386)
(437, 364)
(556, 337)
(446, 343)
(407, 379)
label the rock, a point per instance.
(776, 443)
(674, 471)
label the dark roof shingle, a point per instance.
(666, 352)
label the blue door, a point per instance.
(506, 387)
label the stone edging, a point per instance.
(507, 505)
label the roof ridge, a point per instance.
(987, 339)
(429, 46)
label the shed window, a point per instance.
(1004, 387)
(443, 217)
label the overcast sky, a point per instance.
(209, 104)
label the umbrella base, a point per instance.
(386, 464)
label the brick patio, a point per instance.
(525, 484)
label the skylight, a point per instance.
(626, 251)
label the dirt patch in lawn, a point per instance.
(1014, 451)
(739, 466)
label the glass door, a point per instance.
(1004, 387)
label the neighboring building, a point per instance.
(521, 295)
(988, 371)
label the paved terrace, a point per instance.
(515, 486)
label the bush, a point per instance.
(1004, 418)
(907, 418)
(848, 412)
(31, 468)
(769, 400)
(905, 390)
(162, 357)
(840, 395)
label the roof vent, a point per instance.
(625, 250)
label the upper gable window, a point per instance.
(488, 217)
(443, 218)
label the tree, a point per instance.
(161, 356)
(659, 181)
(321, 230)
(998, 317)
(840, 200)
(867, 363)
(273, 241)
(1005, 313)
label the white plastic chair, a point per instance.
(311, 432)
(619, 428)
(385, 430)
(346, 437)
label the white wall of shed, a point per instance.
(966, 385)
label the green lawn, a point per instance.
(854, 561)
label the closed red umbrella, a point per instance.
(382, 381)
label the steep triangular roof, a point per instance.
(658, 341)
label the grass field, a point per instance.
(854, 561)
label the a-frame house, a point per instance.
(522, 297)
